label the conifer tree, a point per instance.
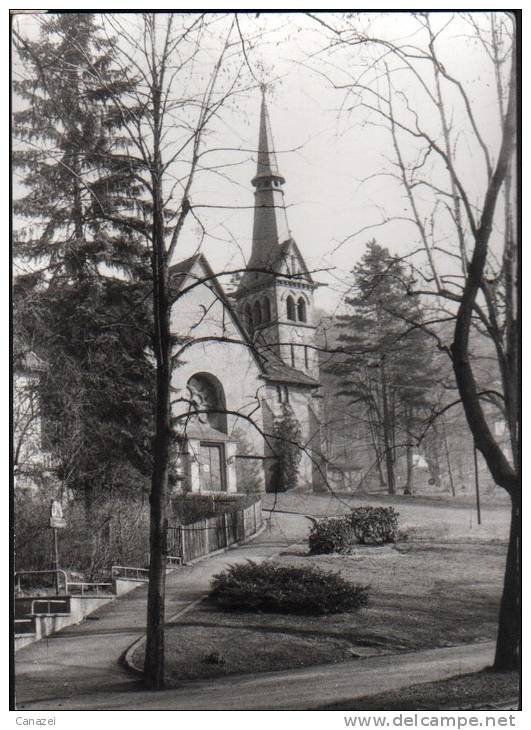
(387, 361)
(287, 449)
(82, 266)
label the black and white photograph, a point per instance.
(265, 329)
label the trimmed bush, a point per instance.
(331, 535)
(362, 526)
(285, 589)
(374, 525)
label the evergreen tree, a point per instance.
(287, 435)
(85, 269)
(387, 362)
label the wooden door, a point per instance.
(211, 467)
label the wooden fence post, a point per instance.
(226, 527)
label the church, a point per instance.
(246, 358)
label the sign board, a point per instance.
(56, 514)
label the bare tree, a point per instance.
(421, 91)
(166, 123)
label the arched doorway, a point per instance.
(208, 401)
(206, 433)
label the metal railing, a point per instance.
(47, 603)
(128, 572)
(24, 573)
(93, 588)
(22, 623)
(82, 587)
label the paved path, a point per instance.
(303, 689)
(79, 668)
(85, 658)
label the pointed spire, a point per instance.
(270, 227)
(267, 166)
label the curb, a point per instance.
(127, 657)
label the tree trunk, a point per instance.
(448, 462)
(508, 642)
(154, 658)
(377, 451)
(408, 488)
(503, 473)
(387, 435)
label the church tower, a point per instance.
(275, 294)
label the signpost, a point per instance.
(476, 479)
(57, 522)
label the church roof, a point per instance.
(282, 252)
(277, 371)
(179, 270)
(272, 368)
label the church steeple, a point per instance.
(270, 227)
(276, 302)
(267, 166)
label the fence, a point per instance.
(214, 533)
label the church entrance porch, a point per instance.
(212, 472)
(210, 458)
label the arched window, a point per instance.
(257, 314)
(207, 401)
(266, 310)
(301, 310)
(248, 317)
(290, 308)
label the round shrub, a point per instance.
(330, 535)
(361, 526)
(374, 525)
(285, 589)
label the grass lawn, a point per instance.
(439, 588)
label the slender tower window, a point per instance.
(301, 310)
(292, 356)
(290, 308)
(266, 309)
(306, 357)
(257, 314)
(249, 317)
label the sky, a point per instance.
(334, 160)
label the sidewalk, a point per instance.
(85, 658)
